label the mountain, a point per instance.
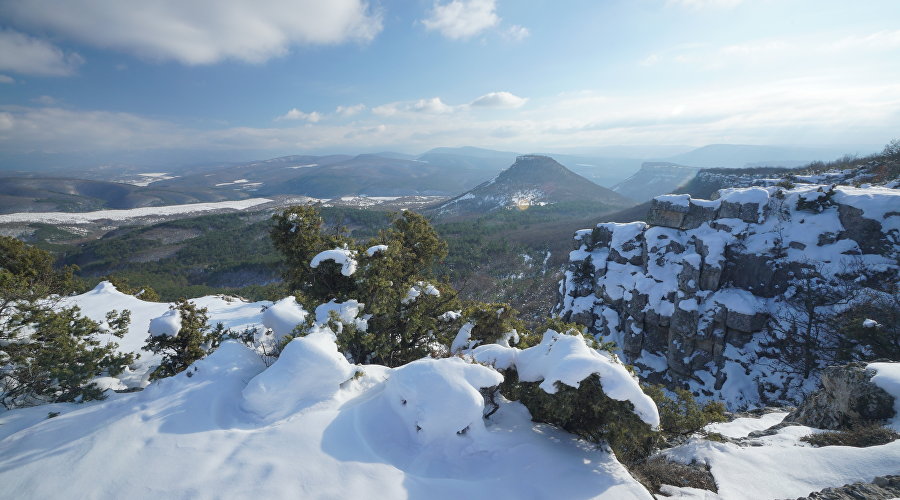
(533, 180)
(336, 175)
(742, 155)
(654, 179)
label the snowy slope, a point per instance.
(194, 437)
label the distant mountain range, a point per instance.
(533, 180)
(438, 172)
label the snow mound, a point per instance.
(167, 325)
(376, 249)
(439, 399)
(887, 377)
(341, 256)
(347, 312)
(283, 316)
(309, 370)
(568, 359)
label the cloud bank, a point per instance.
(198, 31)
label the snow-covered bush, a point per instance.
(565, 382)
(48, 354)
(402, 306)
(182, 336)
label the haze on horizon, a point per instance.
(231, 78)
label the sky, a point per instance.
(228, 77)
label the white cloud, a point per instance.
(880, 40)
(7, 79)
(516, 33)
(23, 54)
(199, 31)
(350, 110)
(801, 111)
(46, 100)
(499, 100)
(296, 114)
(459, 19)
(433, 105)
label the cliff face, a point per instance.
(705, 292)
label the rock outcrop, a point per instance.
(691, 294)
(881, 488)
(847, 398)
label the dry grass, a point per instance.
(859, 437)
(659, 470)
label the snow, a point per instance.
(567, 359)
(133, 213)
(347, 312)
(283, 316)
(341, 256)
(450, 316)
(314, 358)
(236, 429)
(681, 200)
(418, 289)
(167, 325)
(887, 377)
(461, 341)
(439, 399)
(781, 466)
(376, 249)
(743, 426)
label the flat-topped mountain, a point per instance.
(654, 179)
(533, 180)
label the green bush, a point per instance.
(683, 416)
(49, 353)
(193, 341)
(587, 412)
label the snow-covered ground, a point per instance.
(133, 213)
(781, 466)
(313, 425)
(310, 426)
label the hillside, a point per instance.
(532, 180)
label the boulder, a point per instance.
(698, 214)
(865, 232)
(667, 214)
(847, 398)
(747, 212)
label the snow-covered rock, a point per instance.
(687, 295)
(849, 396)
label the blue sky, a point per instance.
(280, 77)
